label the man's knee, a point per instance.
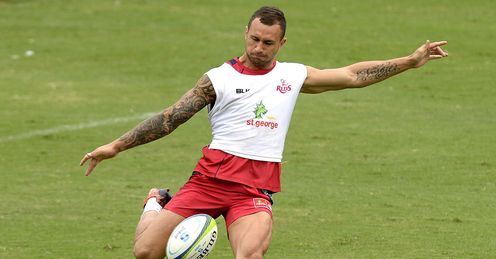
(139, 252)
(143, 251)
(145, 247)
(151, 242)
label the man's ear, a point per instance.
(246, 32)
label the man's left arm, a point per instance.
(366, 73)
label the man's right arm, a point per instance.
(159, 125)
(168, 120)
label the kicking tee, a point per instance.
(252, 112)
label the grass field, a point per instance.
(402, 169)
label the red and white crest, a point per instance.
(283, 87)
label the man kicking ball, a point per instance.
(250, 100)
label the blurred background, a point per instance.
(401, 169)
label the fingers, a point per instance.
(91, 166)
(428, 51)
(437, 51)
(86, 157)
(436, 56)
(425, 48)
(98, 155)
(434, 49)
(441, 52)
(438, 44)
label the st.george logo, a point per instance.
(284, 87)
(259, 121)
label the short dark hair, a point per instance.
(269, 16)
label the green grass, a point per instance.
(403, 169)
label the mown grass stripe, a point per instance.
(73, 127)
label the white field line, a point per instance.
(73, 127)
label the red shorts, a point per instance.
(215, 197)
(260, 174)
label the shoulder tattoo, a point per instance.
(164, 123)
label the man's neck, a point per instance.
(241, 68)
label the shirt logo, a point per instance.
(260, 110)
(284, 87)
(259, 120)
(241, 91)
(262, 203)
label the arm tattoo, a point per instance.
(168, 120)
(378, 72)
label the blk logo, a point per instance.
(242, 91)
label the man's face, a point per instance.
(262, 43)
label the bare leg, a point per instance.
(153, 231)
(250, 235)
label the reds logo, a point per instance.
(262, 203)
(283, 87)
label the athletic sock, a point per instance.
(152, 205)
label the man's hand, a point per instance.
(428, 51)
(97, 155)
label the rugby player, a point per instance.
(250, 100)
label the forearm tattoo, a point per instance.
(167, 121)
(377, 72)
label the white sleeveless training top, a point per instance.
(251, 114)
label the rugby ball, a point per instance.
(194, 237)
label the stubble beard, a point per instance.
(260, 63)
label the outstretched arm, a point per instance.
(158, 126)
(366, 73)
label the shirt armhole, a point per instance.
(215, 85)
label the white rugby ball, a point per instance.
(194, 237)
